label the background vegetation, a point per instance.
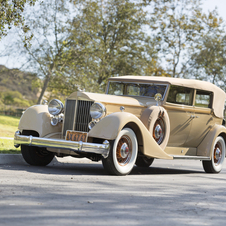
(8, 126)
(76, 45)
(70, 45)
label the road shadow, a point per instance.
(93, 169)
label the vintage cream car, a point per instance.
(140, 118)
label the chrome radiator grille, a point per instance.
(77, 115)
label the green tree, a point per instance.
(178, 25)
(44, 54)
(11, 14)
(209, 60)
(108, 39)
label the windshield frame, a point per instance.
(138, 83)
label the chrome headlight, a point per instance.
(55, 107)
(97, 110)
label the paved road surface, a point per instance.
(79, 192)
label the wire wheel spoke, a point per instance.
(124, 150)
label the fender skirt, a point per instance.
(109, 127)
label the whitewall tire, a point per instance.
(215, 165)
(123, 153)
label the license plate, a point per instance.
(76, 136)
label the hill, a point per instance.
(16, 80)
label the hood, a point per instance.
(113, 99)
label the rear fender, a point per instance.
(206, 147)
(37, 118)
(109, 127)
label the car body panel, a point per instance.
(192, 128)
(206, 146)
(37, 118)
(109, 127)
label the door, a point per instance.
(202, 119)
(180, 109)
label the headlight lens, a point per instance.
(55, 107)
(97, 110)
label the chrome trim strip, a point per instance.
(75, 146)
(190, 157)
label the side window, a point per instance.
(180, 95)
(203, 99)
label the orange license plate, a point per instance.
(76, 136)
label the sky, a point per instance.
(207, 6)
(211, 4)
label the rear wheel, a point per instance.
(123, 153)
(215, 165)
(34, 155)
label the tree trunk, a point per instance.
(45, 85)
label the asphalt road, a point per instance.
(78, 192)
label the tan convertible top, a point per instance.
(218, 97)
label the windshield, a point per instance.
(136, 89)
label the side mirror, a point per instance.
(158, 98)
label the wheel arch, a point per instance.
(110, 126)
(138, 133)
(224, 137)
(206, 146)
(30, 132)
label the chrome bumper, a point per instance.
(76, 146)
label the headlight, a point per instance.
(55, 107)
(97, 110)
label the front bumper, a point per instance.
(76, 146)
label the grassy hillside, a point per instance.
(16, 80)
(8, 126)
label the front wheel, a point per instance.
(215, 165)
(123, 153)
(36, 156)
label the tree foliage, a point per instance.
(44, 53)
(79, 44)
(107, 38)
(11, 14)
(208, 63)
(178, 25)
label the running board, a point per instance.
(190, 157)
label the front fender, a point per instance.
(109, 127)
(206, 147)
(37, 118)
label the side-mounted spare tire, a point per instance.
(156, 120)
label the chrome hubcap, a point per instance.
(158, 131)
(217, 155)
(124, 150)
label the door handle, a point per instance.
(194, 116)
